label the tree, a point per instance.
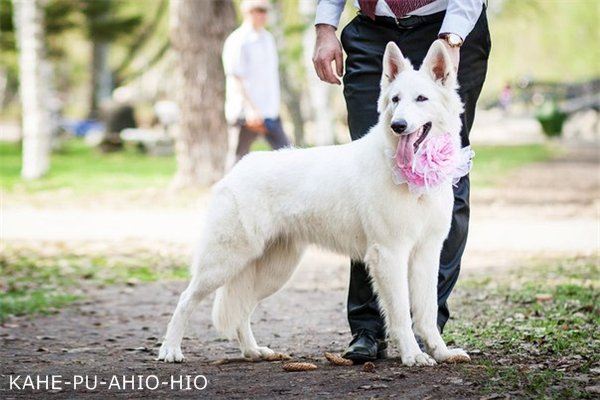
(198, 31)
(34, 77)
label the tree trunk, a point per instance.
(198, 31)
(101, 79)
(34, 77)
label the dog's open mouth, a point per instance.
(408, 144)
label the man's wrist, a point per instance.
(451, 39)
(325, 28)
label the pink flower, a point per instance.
(434, 163)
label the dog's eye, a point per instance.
(395, 99)
(422, 98)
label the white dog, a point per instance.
(344, 198)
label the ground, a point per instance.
(544, 214)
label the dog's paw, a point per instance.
(170, 354)
(454, 356)
(418, 359)
(277, 357)
(258, 353)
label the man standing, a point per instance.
(252, 87)
(413, 25)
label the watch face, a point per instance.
(453, 40)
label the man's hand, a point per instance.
(327, 50)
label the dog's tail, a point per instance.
(234, 302)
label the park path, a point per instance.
(544, 210)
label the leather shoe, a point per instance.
(365, 347)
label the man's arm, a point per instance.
(461, 17)
(251, 113)
(328, 48)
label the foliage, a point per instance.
(136, 30)
(561, 43)
(536, 329)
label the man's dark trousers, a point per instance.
(364, 42)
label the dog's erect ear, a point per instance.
(393, 63)
(438, 65)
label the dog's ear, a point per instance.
(393, 63)
(438, 65)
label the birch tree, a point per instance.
(34, 80)
(198, 31)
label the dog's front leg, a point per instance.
(389, 270)
(423, 277)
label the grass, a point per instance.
(34, 282)
(84, 170)
(536, 328)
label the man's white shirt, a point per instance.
(461, 15)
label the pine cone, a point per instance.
(337, 360)
(299, 366)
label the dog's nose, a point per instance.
(399, 126)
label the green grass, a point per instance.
(492, 163)
(85, 170)
(35, 283)
(537, 329)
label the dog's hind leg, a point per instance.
(423, 292)
(389, 270)
(226, 250)
(210, 273)
(236, 301)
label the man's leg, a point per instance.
(471, 76)
(245, 139)
(275, 134)
(363, 312)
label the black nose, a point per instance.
(399, 126)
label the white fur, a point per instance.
(273, 204)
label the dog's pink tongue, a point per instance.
(405, 150)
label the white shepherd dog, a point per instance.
(273, 204)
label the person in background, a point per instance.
(252, 83)
(119, 114)
(413, 25)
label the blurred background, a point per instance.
(106, 78)
(112, 130)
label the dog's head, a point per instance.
(415, 104)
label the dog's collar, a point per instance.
(437, 161)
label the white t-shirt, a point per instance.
(252, 56)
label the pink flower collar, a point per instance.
(436, 161)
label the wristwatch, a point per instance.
(452, 39)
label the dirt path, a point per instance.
(547, 208)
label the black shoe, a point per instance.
(365, 347)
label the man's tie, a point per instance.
(399, 7)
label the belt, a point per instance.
(409, 22)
